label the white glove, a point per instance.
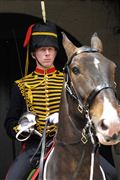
(26, 124)
(53, 118)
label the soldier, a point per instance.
(39, 93)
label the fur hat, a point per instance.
(42, 35)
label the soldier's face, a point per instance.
(44, 56)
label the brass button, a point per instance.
(47, 108)
(47, 114)
(47, 103)
(46, 91)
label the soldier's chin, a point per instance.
(103, 140)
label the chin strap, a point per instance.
(27, 61)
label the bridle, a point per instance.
(83, 107)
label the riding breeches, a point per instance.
(22, 165)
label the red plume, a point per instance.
(28, 35)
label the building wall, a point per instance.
(81, 18)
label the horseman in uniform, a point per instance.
(38, 92)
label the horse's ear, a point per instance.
(96, 43)
(69, 47)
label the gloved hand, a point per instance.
(26, 121)
(25, 127)
(53, 118)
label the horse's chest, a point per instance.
(71, 163)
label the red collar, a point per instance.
(46, 71)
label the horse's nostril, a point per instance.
(113, 137)
(108, 139)
(103, 125)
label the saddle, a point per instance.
(36, 164)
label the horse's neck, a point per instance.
(67, 130)
(71, 157)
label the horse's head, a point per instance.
(93, 84)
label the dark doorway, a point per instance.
(12, 31)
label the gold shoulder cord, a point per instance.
(27, 95)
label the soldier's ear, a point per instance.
(33, 55)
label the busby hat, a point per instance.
(41, 35)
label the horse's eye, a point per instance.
(75, 70)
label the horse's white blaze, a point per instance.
(96, 62)
(110, 117)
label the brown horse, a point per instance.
(89, 114)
